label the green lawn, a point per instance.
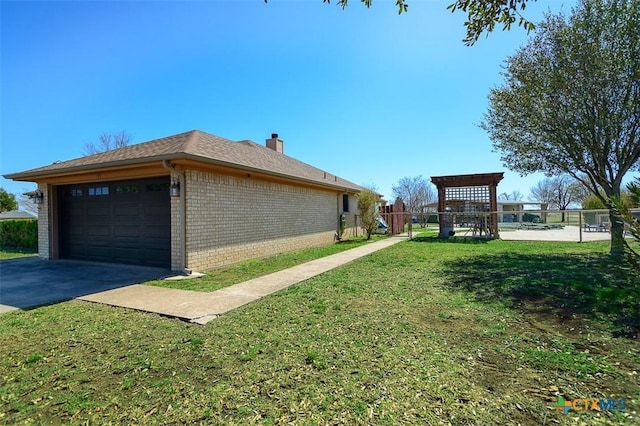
(424, 332)
(13, 253)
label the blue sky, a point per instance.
(367, 94)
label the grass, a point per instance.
(13, 252)
(249, 269)
(424, 332)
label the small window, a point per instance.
(75, 192)
(157, 187)
(127, 189)
(99, 190)
(345, 203)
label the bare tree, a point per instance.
(27, 204)
(416, 192)
(107, 142)
(511, 196)
(559, 192)
(543, 191)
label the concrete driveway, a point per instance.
(30, 281)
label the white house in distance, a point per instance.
(514, 211)
(188, 201)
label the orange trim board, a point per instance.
(104, 174)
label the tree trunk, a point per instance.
(617, 235)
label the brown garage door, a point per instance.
(120, 222)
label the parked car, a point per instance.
(383, 228)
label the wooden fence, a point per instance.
(394, 216)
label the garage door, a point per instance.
(120, 222)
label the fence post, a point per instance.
(580, 226)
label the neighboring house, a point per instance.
(514, 211)
(16, 214)
(189, 201)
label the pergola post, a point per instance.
(475, 193)
(493, 208)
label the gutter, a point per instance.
(183, 214)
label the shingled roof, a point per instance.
(199, 146)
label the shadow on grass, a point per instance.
(562, 284)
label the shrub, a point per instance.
(530, 217)
(19, 233)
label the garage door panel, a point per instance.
(74, 210)
(153, 208)
(153, 245)
(75, 250)
(98, 211)
(130, 231)
(155, 231)
(101, 251)
(75, 230)
(126, 252)
(124, 223)
(98, 230)
(130, 211)
(161, 256)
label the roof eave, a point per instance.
(35, 176)
(213, 161)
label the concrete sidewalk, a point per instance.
(199, 307)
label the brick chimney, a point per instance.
(275, 144)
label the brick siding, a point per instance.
(43, 223)
(230, 219)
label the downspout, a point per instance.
(337, 234)
(183, 214)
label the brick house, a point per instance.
(189, 201)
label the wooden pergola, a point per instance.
(470, 198)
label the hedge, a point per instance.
(19, 233)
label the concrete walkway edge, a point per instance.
(200, 307)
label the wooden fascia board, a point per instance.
(103, 174)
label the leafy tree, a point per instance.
(593, 202)
(368, 206)
(7, 201)
(482, 15)
(559, 192)
(570, 102)
(107, 142)
(634, 193)
(416, 192)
